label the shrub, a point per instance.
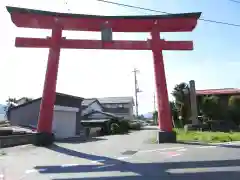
(233, 109)
(124, 126)
(211, 107)
(135, 126)
(196, 127)
(223, 126)
(6, 132)
(114, 128)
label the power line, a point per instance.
(163, 12)
(234, 1)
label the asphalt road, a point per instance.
(123, 157)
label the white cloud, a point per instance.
(98, 73)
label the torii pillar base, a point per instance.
(29, 18)
(166, 137)
(44, 139)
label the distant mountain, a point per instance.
(148, 115)
(2, 112)
(2, 109)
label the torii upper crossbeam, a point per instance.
(57, 22)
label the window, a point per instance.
(107, 105)
(120, 105)
(114, 105)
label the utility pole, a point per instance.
(154, 102)
(135, 71)
(154, 109)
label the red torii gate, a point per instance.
(29, 18)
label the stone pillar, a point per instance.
(193, 102)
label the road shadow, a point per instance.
(81, 140)
(77, 154)
(185, 176)
(209, 144)
(163, 170)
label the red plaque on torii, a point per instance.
(57, 22)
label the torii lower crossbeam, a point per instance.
(97, 44)
(57, 22)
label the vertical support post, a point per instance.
(49, 92)
(136, 89)
(193, 103)
(164, 114)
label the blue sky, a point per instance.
(214, 63)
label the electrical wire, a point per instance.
(234, 1)
(163, 12)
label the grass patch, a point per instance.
(207, 137)
(204, 137)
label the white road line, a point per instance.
(108, 165)
(98, 161)
(181, 150)
(227, 143)
(69, 165)
(206, 147)
(162, 149)
(204, 169)
(122, 158)
(31, 171)
(34, 170)
(174, 155)
(215, 145)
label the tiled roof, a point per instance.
(109, 100)
(104, 114)
(39, 99)
(218, 91)
(86, 102)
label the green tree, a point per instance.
(155, 117)
(234, 108)
(174, 113)
(11, 100)
(10, 103)
(28, 99)
(182, 100)
(210, 107)
(141, 117)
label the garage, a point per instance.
(64, 122)
(66, 118)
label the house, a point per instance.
(66, 120)
(22, 100)
(223, 94)
(100, 121)
(89, 105)
(94, 119)
(97, 115)
(120, 106)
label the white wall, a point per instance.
(64, 122)
(65, 108)
(129, 106)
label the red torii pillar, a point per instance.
(58, 22)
